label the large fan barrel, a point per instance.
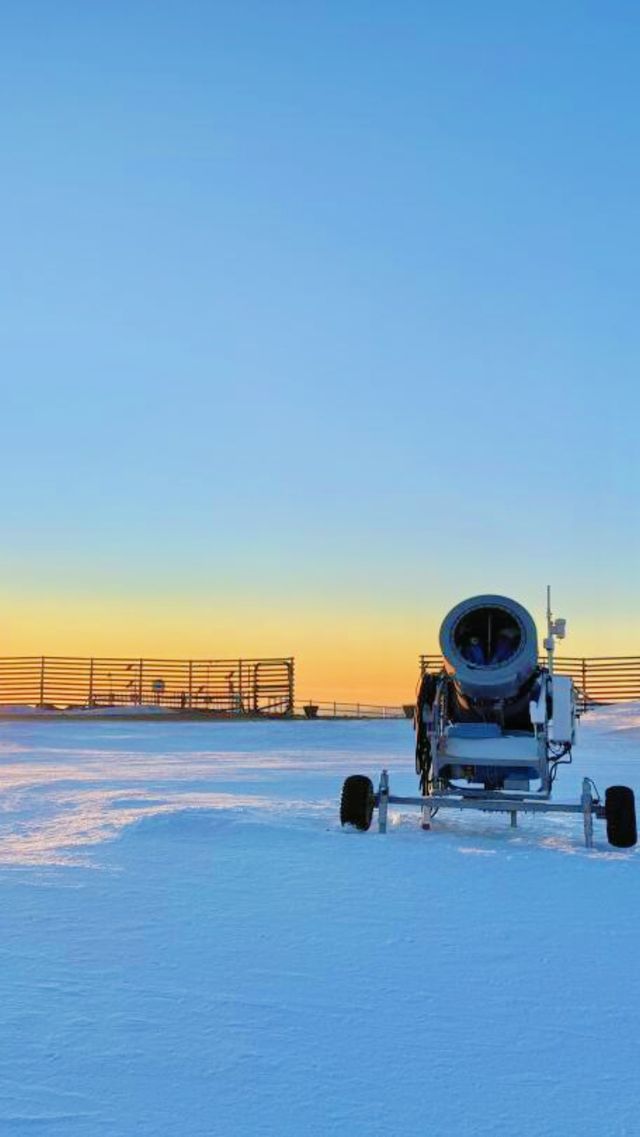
(490, 648)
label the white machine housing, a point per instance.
(485, 754)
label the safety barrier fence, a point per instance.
(350, 711)
(599, 679)
(223, 686)
(236, 687)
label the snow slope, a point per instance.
(191, 944)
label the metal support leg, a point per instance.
(587, 813)
(426, 817)
(383, 802)
(514, 819)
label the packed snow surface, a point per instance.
(191, 944)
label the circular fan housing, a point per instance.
(490, 647)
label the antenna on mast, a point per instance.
(554, 628)
(549, 642)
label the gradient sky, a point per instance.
(317, 318)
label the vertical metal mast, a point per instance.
(549, 642)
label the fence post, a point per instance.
(140, 682)
(190, 691)
(585, 697)
(42, 658)
(91, 682)
(256, 682)
(291, 677)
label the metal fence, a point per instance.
(242, 686)
(336, 710)
(225, 686)
(599, 679)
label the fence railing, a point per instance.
(242, 686)
(599, 679)
(225, 686)
(338, 710)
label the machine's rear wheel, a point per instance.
(357, 802)
(620, 814)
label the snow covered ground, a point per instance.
(190, 944)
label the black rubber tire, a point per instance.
(620, 814)
(357, 802)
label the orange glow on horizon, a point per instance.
(341, 653)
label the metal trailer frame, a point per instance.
(513, 804)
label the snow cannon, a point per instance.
(493, 726)
(489, 646)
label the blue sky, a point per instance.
(328, 309)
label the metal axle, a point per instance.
(587, 805)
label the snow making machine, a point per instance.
(492, 729)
